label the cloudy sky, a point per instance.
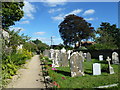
(41, 19)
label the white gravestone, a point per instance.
(96, 69)
(56, 58)
(68, 52)
(63, 50)
(111, 70)
(100, 57)
(115, 58)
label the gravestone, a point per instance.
(96, 69)
(63, 50)
(46, 53)
(51, 54)
(100, 57)
(64, 60)
(88, 56)
(69, 52)
(56, 58)
(85, 55)
(76, 65)
(81, 53)
(111, 70)
(115, 58)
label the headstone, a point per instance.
(64, 60)
(56, 59)
(88, 56)
(96, 69)
(51, 53)
(84, 54)
(76, 65)
(46, 53)
(69, 52)
(115, 58)
(63, 50)
(81, 53)
(100, 57)
(111, 70)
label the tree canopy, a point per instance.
(11, 12)
(109, 35)
(73, 29)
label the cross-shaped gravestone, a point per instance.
(111, 70)
(76, 64)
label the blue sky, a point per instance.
(41, 19)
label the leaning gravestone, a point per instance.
(96, 69)
(88, 56)
(111, 70)
(115, 58)
(100, 57)
(76, 65)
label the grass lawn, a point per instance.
(63, 76)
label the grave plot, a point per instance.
(91, 75)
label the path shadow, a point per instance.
(63, 72)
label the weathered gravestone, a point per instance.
(100, 57)
(96, 69)
(64, 60)
(76, 65)
(115, 58)
(51, 53)
(111, 70)
(82, 54)
(46, 53)
(88, 56)
(56, 58)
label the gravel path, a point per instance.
(31, 77)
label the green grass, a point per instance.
(87, 81)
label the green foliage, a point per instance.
(108, 36)
(11, 63)
(11, 12)
(40, 46)
(74, 28)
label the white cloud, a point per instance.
(88, 12)
(55, 10)
(16, 28)
(61, 16)
(28, 9)
(77, 11)
(24, 22)
(39, 33)
(54, 3)
(89, 19)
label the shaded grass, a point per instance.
(87, 81)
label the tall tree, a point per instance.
(11, 12)
(109, 35)
(73, 29)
